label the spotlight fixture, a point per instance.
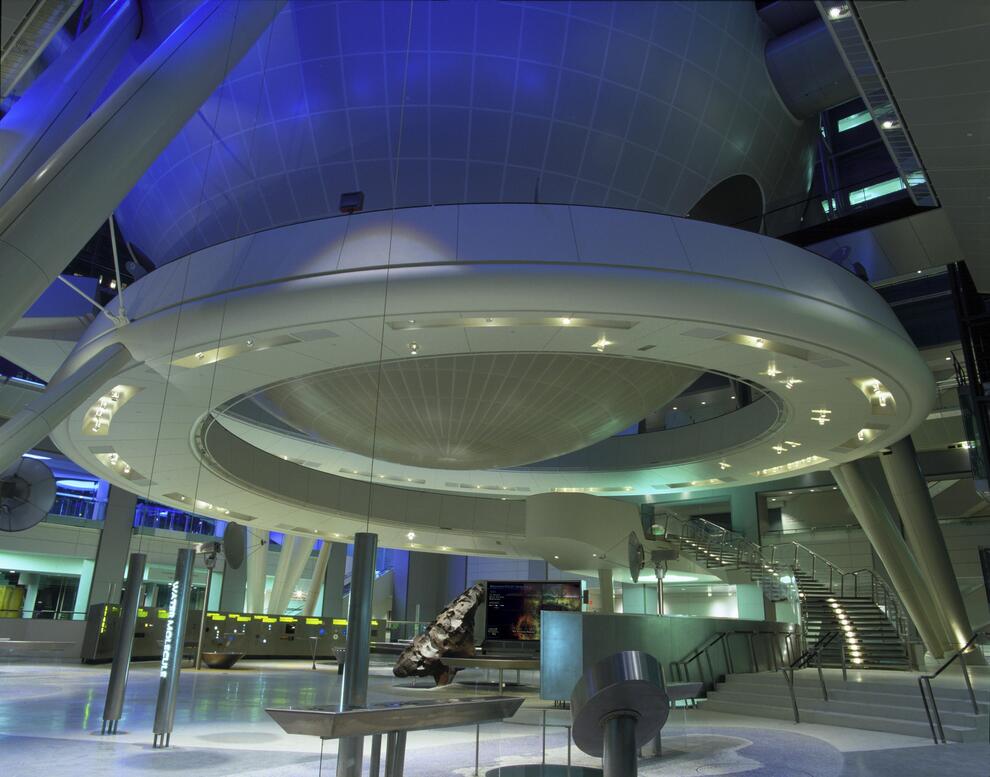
(411, 536)
(838, 11)
(413, 349)
(724, 465)
(772, 370)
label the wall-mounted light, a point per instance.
(411, 536)
(724, 465)
(97, 419)
(413, 349)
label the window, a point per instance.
(855, 120)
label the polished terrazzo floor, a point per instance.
(50, 719)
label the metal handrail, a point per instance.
(925, 684)
(802, 661)
(697, 653)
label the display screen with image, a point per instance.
(512, 610)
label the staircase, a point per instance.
(867, 637)
(894, 707)
(858, 605)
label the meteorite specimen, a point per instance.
(450, 634)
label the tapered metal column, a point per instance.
(316, 582)
(52, 215)
(872, 515)
(607, 592)
(296, 551)
(114, 705)
(924, 537)
(354, 688)
(257, 568)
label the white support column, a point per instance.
(295, 553)
(257, 569)
(872, 515)
(316, 581)
(52, 215)
(607, 592)
(924, 537)
(113, 549)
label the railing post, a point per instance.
(789, 679)
(928, 712)
(969, 683)
(938, 718)
(821, 677)
(842, 647)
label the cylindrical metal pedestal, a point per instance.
(619, 758)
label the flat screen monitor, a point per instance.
(512, 607)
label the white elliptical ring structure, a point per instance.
(231, 319)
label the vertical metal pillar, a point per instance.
(175, 629)
(619, 756)
(354, 687)
(114, 704)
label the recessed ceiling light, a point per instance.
(411, 535)
(601, 344)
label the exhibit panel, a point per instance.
(251, 635)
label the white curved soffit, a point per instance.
(229, 319)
